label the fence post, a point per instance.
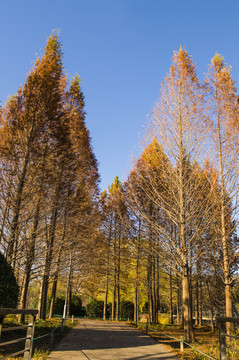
(181, 345)
(0, 331)
(222, 340)
(72, 318)
(51, 337)
(30, 336)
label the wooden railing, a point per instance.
(27, 351)
(221, 321)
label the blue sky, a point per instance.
(122, 49)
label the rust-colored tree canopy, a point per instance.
(163, 241)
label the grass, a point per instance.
(42, 346)
(206, 341)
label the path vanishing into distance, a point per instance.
(103, 340)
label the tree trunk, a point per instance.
(107, 273)
(179, 312)
(196, 301)
(53, 295)
(118, 279)
(171, 298)
(154, 291)
(69, 299)
(150, 316)
(106, 296)
(157, 290)
(188, 328)
(211, 316)
(187, 319)
(136, 292)
(47, 265)
(55, 278)
(226, 264)
(200, 301)
(113, 302)
(29, 261)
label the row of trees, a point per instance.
(177, 212)
(48, 179)
(164, 237)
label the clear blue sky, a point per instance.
(122, 50)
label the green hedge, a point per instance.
(95, 308)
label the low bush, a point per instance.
(9, 289)
(95, 308)
(126, 310)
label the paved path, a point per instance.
(98, 340)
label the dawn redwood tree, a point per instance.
(107, 229)
(224, 131)
(180, 129)
(26, 117)
(76, 183)
(80, 206)
(49, 175)
(150, 217)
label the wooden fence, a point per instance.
(223, 336)
(27, 351)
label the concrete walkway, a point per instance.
(103, 340)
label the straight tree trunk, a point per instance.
(47, 264)
(171, 297)
(70, 287)
(118, 278)
(107, 274)
(179, 322)
(226, 264)
(55, 279)
(150, 305)
(200, 301)
(113, 302)
(211, 317)
(188, 329)
(157, 289)
(106, 296)
(29, 261)
(154, 290)
(188, 326)
(136, 294)
(196, 301)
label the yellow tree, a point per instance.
(179, 124)
(224, 131)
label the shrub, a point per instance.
(127, 310)
(75, 308)
(59, 304)
(76, 305)
(95, 308)
(9, 289)
(145, 308)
